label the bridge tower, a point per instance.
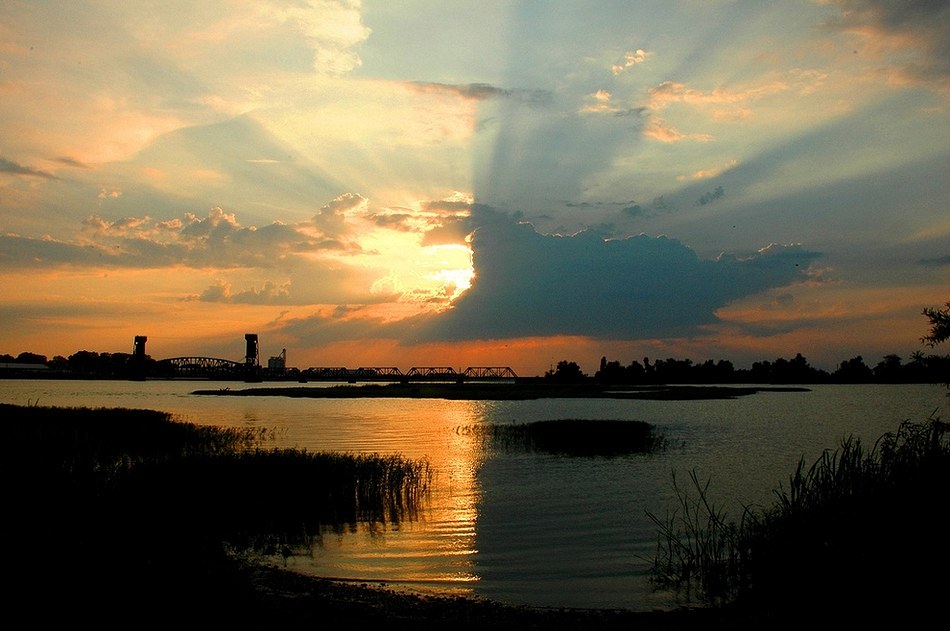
(137, 363)
(251, 357)
(138, 350)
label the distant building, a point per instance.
(279, 362)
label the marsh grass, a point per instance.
(117, 493)
(572, 437)
(860, 526)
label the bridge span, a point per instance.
(225, 369)
(196, 367)
(416, 373)
(206, 368)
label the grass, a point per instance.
(572, 437)
(860, 528)
(129, 504)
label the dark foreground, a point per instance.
(286, 598)
(247, 596)
(90, 540)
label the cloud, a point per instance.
(8, 166)
(704, 174)
(529, 284)
(71, 162)
(659, 129)
(893, 29)
(482, 91)
(601, 103)
(630, 59)
(331, 220)
(939, 261)
(269, 293)
(217, 240)
(710, 196)
(451, 231)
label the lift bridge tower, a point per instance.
(252, 356)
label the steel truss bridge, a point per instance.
(215, 368)
(208, 368)
(416, 373)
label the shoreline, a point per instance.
(290, 598)
(503, 391)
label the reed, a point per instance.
(126, 479)
(858, 526)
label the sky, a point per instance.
(475, 183)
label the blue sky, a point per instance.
(475, 183)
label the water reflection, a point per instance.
(435, 551)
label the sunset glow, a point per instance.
(457, 184)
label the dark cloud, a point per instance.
(8, 166)
(483, 91)
(26, 252)
(636, 210)
(711, 196)
(451, 231)
(922, 25)
(939, 261)
(529, 284)
(70, 162)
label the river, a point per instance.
(530, 528)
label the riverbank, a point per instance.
(277, 597)
(489, 391)
(285, 598)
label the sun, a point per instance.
(456, 273)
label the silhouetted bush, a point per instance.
(859, 530)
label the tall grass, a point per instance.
(119, 486)
(859, 526)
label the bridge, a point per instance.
(206, 368)
(250, 369)
(226, 369)
(416, 373)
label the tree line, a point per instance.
(919, 368)
(85, 364)
(891, 369)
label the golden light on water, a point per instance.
(434, 548)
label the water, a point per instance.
(530, 528)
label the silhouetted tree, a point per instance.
(566, 372)
(889, 369)
(853, 370)
(939, 333)
(939, 325)
(611, 372)
(636, 373)
(761, 372)
(672, 370)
